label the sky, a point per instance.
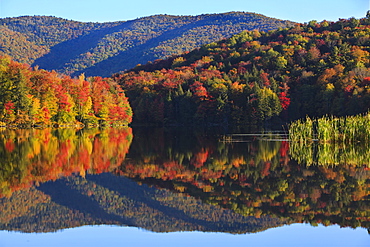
(121, 10)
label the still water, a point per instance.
(288, 236)
(170, 187)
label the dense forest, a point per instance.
(254, 77)
(32, 97)
(101, 49)
(310, 69)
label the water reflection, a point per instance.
(233, 186)
(34, 156)
(255, 178)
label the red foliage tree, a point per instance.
(284, 100)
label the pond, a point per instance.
(167, 187)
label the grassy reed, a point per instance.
(327, 129)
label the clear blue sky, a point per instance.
(115, 10)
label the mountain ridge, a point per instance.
(93, 48)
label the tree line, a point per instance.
(35, 97)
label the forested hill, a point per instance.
(101, 49)
(310, 69)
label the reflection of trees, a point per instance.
(256, 178)
(30, 156)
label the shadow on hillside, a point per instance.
(141, 54)
(138, 54)
(62, 53)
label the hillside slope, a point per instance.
(254, 77)
(104, 48)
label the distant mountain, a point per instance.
(113, 200)
(102, 49)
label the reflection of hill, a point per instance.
(255, 178)
(240, 185)
(108, 199)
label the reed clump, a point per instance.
(329, 129)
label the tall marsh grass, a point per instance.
(331, 140)
(328, 129)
